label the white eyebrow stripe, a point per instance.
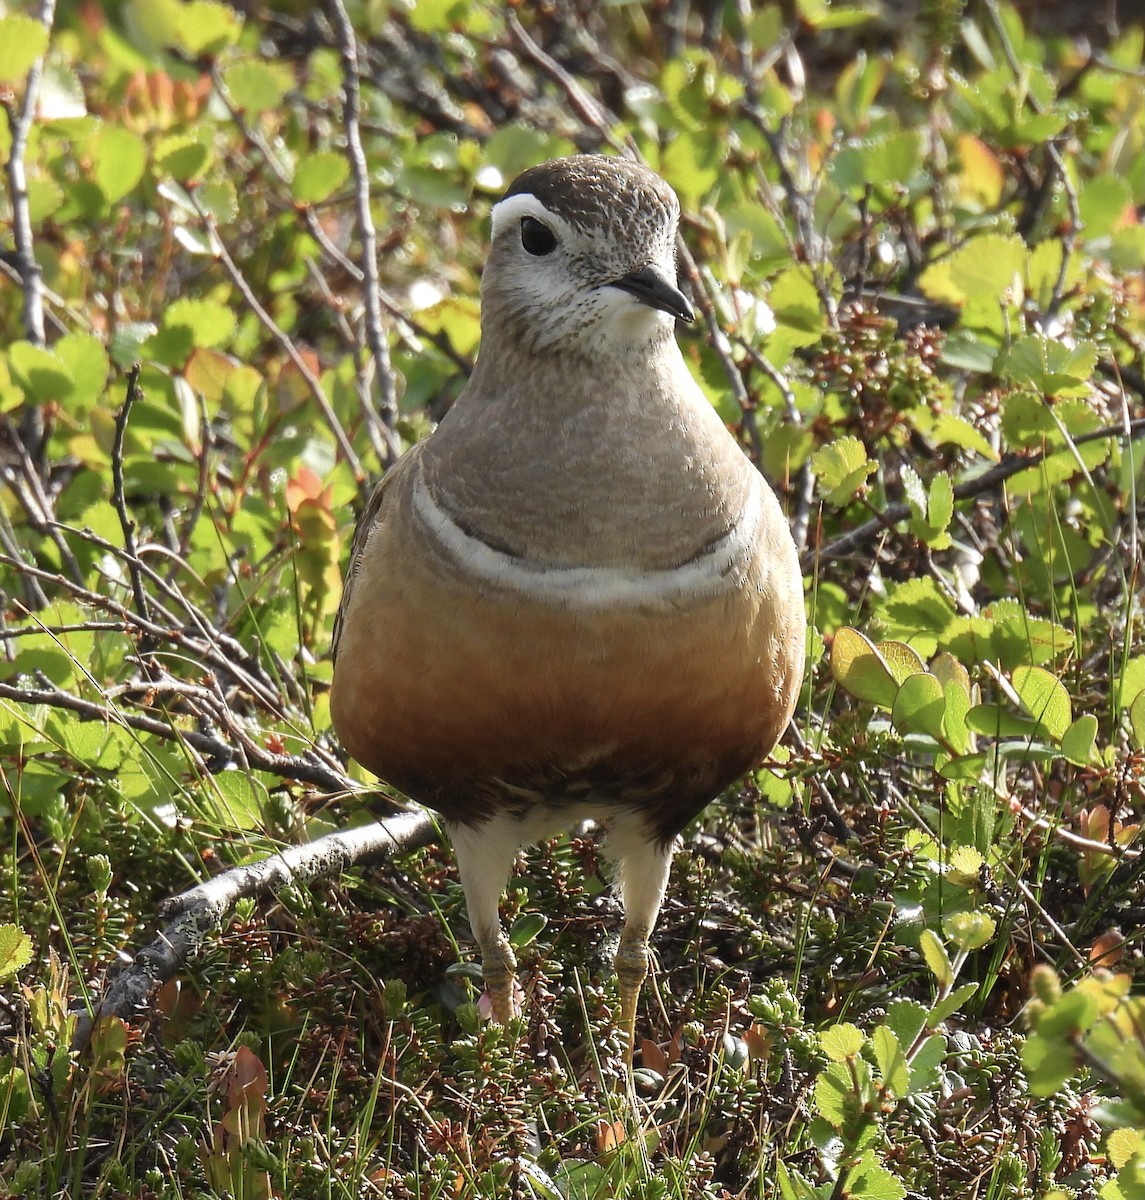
(719, 567)
(524, 204)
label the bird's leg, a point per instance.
(642, 877)
(631, 964)
(485, 856)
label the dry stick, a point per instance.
(217, 648)
(28, 488)
(315, 767)
(119, 500)
(20, 124)
(1010, 465)
(809, 245)
(1059, 172)
(199, 912)
(298, 767)
(588, 110)
(279, 335)
(390, 446)
(439, 340)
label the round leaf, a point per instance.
(1044, 698)
(919, 706)
(318, 176)
(22, 40)
(858, 667)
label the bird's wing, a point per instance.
(371, 515)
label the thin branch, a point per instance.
(119, 500)
(20, 125)
(590, 113)
(279, 335)
(390, 447)
(28, 488)
(193, 916)
(1088, 845)
(1010, 465)
(304, 768)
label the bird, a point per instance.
(577, 599)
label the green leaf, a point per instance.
(925, 1063)
(988, 266)
(42, 373)
(901, 660)
(120, 158)
(257, 86)
(128, 340)
(437, 16)
(969, 931)
(1103, 203)
(526, 929)
(85, 357)
(940, 506)
(1049, 365)
(207, 28)
(836, 1097)
(1137, 720)
(918, 611)
(892, 160)
(934, 953)
(210, 323)
(1078, 740)
(15, 944)
(243, 798)
(859, 667)
(870, 1180)
(951, 1004)
(1044, 697)
(182, 156)
(890, 1060)
(22, 41)
(841, 1042)
(920, 707)
(842, 466)
(318, 176)
(994, 721)
(795, 303)
(907, 1019)
(1048, 1062)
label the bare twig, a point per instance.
(195, 914)
(126, 524)
(590, 113)
(28, 488)
(388, 446)
(271, 326)
(305, 768)
(20, 125)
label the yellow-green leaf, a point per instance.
(22, 40)
(15, 944)
(1044, 697)
(934, 952)
(859, 667)
(843, 467)
(318, 176)
(841, 1042)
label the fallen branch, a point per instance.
(194, 915)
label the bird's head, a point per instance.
(583, 260)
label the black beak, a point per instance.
(651, 288)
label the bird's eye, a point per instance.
(538, 239)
